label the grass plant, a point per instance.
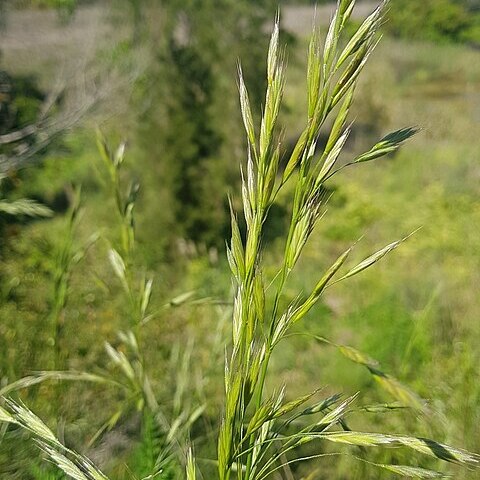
(164, 430)
(66, 257)
(254, 437)
(262, 434)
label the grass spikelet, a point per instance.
(64, 463)
(331, 158)
(5, 416)
(120, 360)
(410, 472)
(399, 391)
(246, 110)
(303, 309)
(322, 405)
(28, 420)
(388, 144)
(336, 414)
(40, 377)
(394, 387)
(25, 206)
(118, 266)
(422, 445)
(288, 407)
(272, 59)
(440, 451)
(70, 462)
(363, 34)
(370, 260)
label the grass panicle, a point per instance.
(254, 437)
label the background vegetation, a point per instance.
(162, 76)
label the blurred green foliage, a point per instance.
(188, 122)
(435, 20)
(65, 5)
(21, 99)
(65, 8)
